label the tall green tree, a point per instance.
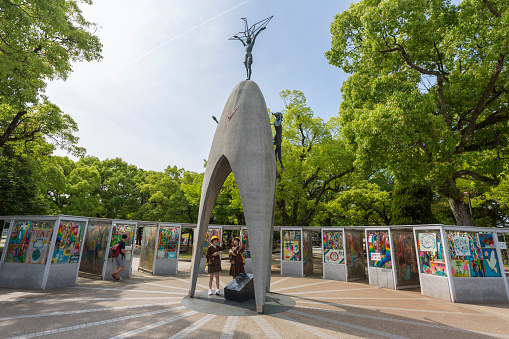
(411, 205)
(316, 162)
(428, 91)
(39, 39)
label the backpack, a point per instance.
(115, 250)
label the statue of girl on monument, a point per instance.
(278, 138)
(248, 38)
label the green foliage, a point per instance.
(43, 122)
(363, 204)
(411, 205)
(39, 39)
(316, 161)
(427, 95)
(114, 189)
(19, 191)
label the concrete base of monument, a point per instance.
(218, 305)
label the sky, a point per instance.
(168, 67)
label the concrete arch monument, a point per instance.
(243, 145)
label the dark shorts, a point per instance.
(120, 261)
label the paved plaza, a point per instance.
(145, 306)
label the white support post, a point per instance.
(344, 254)
(51, 249)
(106, 255)
(178, 247)
(81, 248)
(448, 263)
(501, 263)
(7, 239)
(133, 242)
(302, 252)
(155, 249)
(416, 242)
(368, 255)
(281, 252)
(323, 256)
(393, 260)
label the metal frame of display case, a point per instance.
(170, 261)
(390, 282)
(334, 271)
(105, 275)
(375, 272)
(289, 267)
(9, 219)
(296, 268)
(150, 224)
(23, 278)
(428, 282)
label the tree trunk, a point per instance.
(12, 126)
(460, 212)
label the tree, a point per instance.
(315, 159)
(38, 41)
(411, 205)
(427, 95)
(19, 186)
(363, 203)
(228, 206)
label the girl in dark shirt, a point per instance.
(214, 262)
(236, 258)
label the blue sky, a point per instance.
(168, 67)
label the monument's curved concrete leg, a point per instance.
(212, 183)
(243, 144)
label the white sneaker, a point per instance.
(218, 292)
(210, 292)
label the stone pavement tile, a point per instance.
(321, 328)
(336, 309)
(500, 310)
(303, 327)
(33, 325)
(340, 325)
(299, 282)
(404, 325)
(247, 328)
(43, 308)
(139, 328)
(416, 304)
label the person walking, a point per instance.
(236, 258)
(120, 259)
(214, 262)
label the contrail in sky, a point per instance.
(181, 34)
